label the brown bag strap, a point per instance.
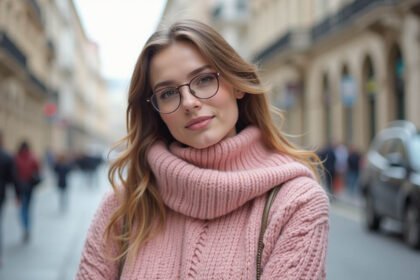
(264, 222)
(124, 247)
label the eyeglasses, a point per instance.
(168, 100)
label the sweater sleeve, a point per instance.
(96, 262)
(297, 234)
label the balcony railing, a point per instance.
(13, 51)
(279, 45)
(345, 15)
(38, 83)
(7, 44)
(297, 40)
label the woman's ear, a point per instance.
(239, 94)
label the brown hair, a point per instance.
(141, 206)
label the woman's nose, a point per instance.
(188, 100)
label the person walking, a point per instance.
(62, 168)
(353, 169)
(27, 177)
(203, 162)
(341, 155)
(327, 156)
(6, 178)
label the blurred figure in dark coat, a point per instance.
(62, 168)
(89, 164)
(353, 169)
(328, 158)
(6, 178)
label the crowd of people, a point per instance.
(342, 164)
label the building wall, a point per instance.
(373, 33)
(228, 17)
(24, 62)
(186, 9)
(82, 120)
(46, 59)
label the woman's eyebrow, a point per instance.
(163, 84)
(190, 75)
(198, 70)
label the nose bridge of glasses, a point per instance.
(190, 90)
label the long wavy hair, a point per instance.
(141, 212)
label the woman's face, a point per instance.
(197, 123)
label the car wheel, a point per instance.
(412, 226)
(372, 219)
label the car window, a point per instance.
(398, 147)
(385, 147)
(414, 146)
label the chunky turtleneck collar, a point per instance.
(211, 182)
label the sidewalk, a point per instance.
(352, 200)
(57, 238)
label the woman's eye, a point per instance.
(168, 93)
(205, 79)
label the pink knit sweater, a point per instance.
(215, 198)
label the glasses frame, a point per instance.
(216, 74)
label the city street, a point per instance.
(57, 239)
(354, 253)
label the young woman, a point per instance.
(202, 154)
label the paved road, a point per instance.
(357, 254)
(57, 238)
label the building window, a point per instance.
(370, 88)
(348, 92)
(326, 106)
(399, 87)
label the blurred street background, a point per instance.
(342, 71)
(57, 236)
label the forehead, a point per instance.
(175, 62)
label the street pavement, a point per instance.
(355, 253)
(57, 238)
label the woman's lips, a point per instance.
(199, 123)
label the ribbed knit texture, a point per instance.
(215, 198)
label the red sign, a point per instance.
(50, 109)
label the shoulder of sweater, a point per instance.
(301, 203)
(107, 205)
(301, 192)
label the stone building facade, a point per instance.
(341, 70)
(51, 88)
(229, 17)
(26, 55)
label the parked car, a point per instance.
(390, 180)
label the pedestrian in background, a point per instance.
(327, 156)
(89, 164)
(6, 178)
(341, 155)
(203, 154)
(27, 177)
(353, 169)
(62, 168)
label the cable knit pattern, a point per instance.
(215, 199)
